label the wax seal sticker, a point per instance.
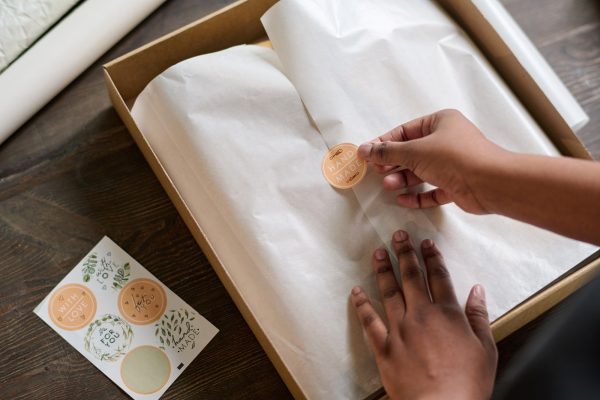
(142, 301)
(72, 307)
(145, 369)
(108, 338)
(341, 166)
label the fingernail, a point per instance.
(479, 292)
(400, 236)
(356, 290)
(380, 254)
(427, 243)
(364, 150)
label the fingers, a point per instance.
(476, 311)
(411, 130)
(393, 301)
(440, 285)
(432, 198)
(400, 180)
(391, 148)
(387, 153)
(371, 321)
(413, 280)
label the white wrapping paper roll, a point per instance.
(64, 53)
(531, 59)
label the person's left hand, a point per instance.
(431, 348)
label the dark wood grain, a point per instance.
(567, 32)
(73, 174)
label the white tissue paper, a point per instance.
(233, 134)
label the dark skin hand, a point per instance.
(446, 150)
(431, 348)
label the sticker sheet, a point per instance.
(125, 321)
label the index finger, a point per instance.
(411, 130)
(371, 322)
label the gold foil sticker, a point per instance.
(341, 166)
(142, 301)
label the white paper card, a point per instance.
(125, 321)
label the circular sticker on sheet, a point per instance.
(145, 369)
(108, 338)
(72, 307)
(142, 301)
(341, 166)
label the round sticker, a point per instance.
(341, 166)
(72, 307)
(145, 369)
(142, 301)
(108, 338)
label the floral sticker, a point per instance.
(105, 271)
(108, 338)
(176, 330)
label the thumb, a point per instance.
(476, 311)
(388, 153)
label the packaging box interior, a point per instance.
(240, 24)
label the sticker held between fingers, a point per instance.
(342, 168)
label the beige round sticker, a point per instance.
(142, 301)
(145, 369)
(72, 307)
(341, 166)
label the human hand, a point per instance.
(444, 149)
(431, 349)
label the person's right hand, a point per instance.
(444, 149)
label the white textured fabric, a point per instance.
(22, 22)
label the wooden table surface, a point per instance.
(73, 174)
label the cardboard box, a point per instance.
(240, 23)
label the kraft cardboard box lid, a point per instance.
(240, 23)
